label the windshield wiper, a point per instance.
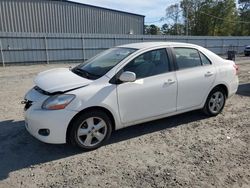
(85, 73)
(78, 72)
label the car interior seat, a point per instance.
(145, 68)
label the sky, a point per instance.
(152, 9)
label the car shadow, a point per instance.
(18, 149)
(155, 126)
(244, 89)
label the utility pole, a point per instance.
(187, 20)
(176, 17)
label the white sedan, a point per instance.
(124, 86)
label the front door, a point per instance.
(153, 93)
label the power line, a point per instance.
(223, 18)
(156, 21)
(213, 16)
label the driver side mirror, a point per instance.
(127, 76)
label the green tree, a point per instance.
(173, 15)
(151, 30)
(225, 21)
(190, 8)
(165, 29)
(209, 17)
(171, 29)
(243, 27)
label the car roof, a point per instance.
(145, 45)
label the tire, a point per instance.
(215, 102)
(90, 130)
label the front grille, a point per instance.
(28, 104)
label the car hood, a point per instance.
(60, 80)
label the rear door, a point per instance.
(195, 74)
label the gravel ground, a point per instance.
(188, 150)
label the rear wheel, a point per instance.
(90, 130)
(215, 102)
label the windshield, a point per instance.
(102, 63)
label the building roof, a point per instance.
(93, 6)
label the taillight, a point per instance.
(236, 67)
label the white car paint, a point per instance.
(193, 85)
(55, 80)
(129, 103)
(132, 108)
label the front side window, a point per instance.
(149, 64)
(102, 63)
(187, 58)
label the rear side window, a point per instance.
(205, 60)
(187, 58)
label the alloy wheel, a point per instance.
(92, 131)
(216, 102)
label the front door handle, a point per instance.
(208, 74)
(169, 82)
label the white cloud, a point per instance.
(152, 9)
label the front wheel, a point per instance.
(90, 130)
(215, 102)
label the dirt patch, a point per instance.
(188, 150)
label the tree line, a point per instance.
(205, 18)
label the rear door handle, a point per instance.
(209, 74)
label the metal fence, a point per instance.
(45, 48)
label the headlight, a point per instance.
(57, 102)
